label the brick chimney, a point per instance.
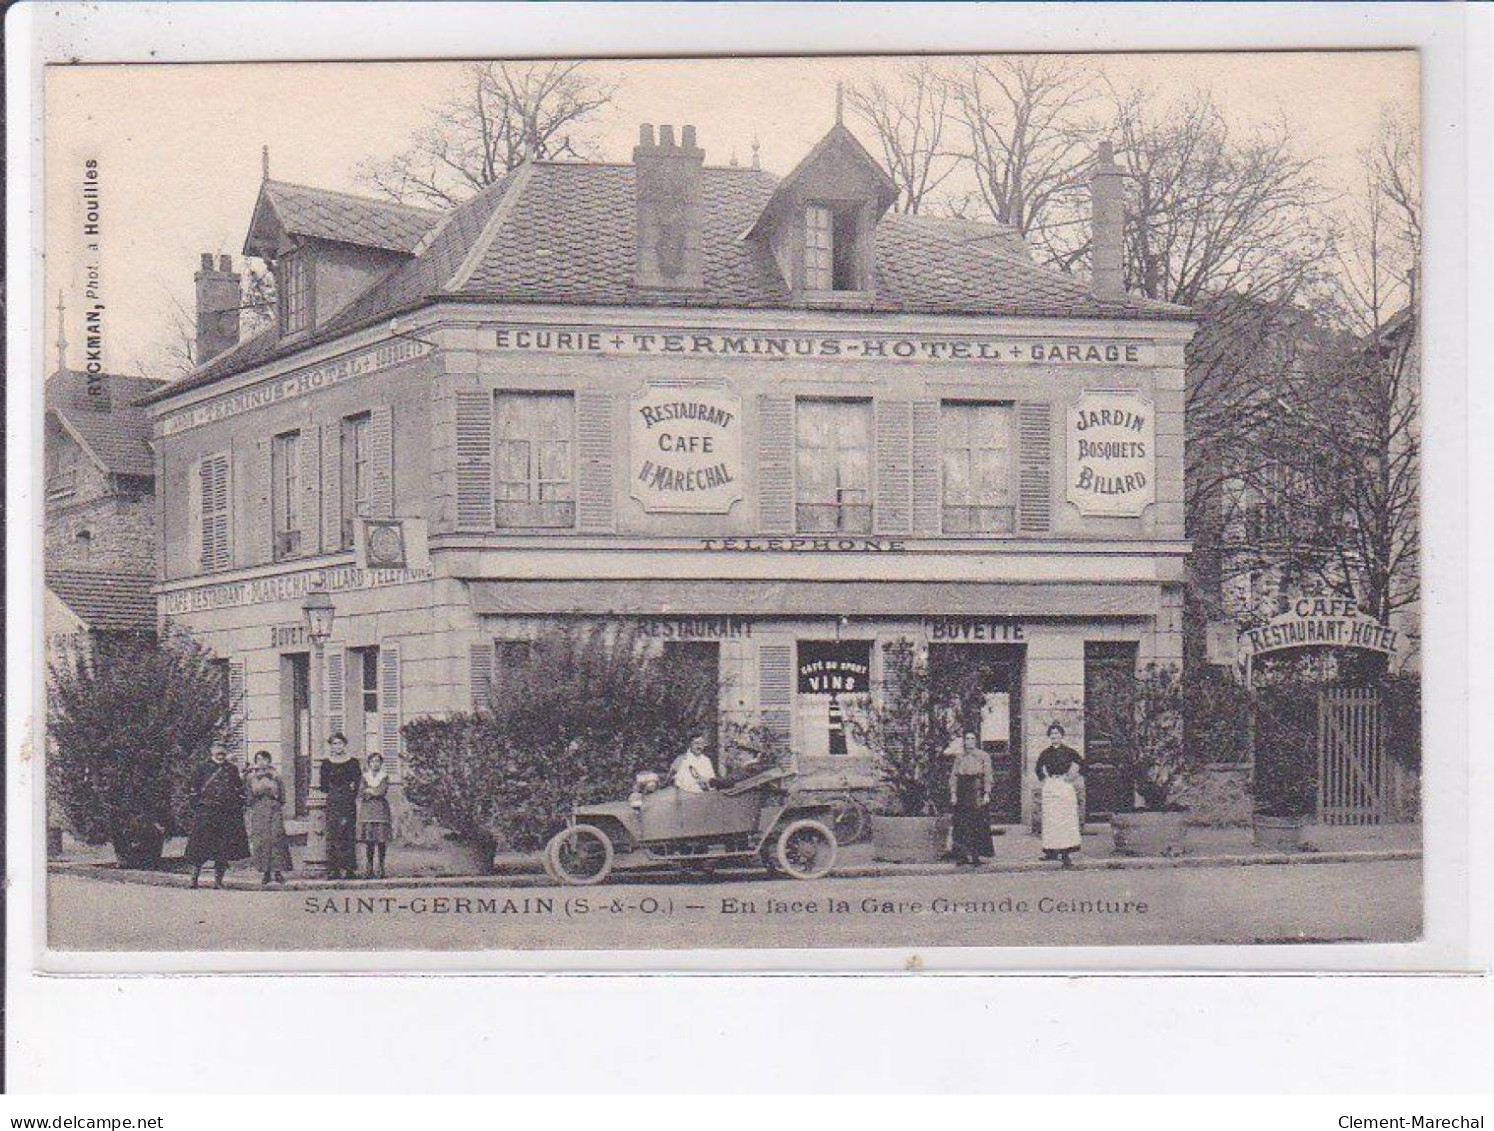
(668, 177)
(1107, 197)
(218, 301)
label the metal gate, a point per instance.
(1353, 780)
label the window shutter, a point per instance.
(381, 462)
(482, 676)
(775, 464)
(474, 461)
(238, 711)
(332, 486)
(261, 517)
(196, 517)
(389, 708)
(893, 511)
(594, 486)
(775, 689)
(311, 489)
(212, 518)
(928, 471)
(336, 671)
(1035, 467)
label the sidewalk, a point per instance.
(1017, 850)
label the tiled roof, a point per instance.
(564, 232)
(342, 217)
(106, 601)
(117, 436)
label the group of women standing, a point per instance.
(236, 816)
(1058, 770)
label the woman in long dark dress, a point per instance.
(268, 844)
(970, 790)
(218, 832)
(341, 776)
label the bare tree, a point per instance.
(504, 114)
(910, 122)
(175, 355)
(1028, 141)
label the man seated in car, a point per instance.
(692, 771)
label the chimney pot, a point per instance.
(207, 261)
(666, 137)
(687, 137)
(646, 136)
(225, 263)
(218, 302)
(1107, 236)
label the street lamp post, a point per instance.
(319, 613)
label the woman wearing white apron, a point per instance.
(1058, 770)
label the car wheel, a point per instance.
(580, 855)
(806, 849)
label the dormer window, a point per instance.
(295, 293)
(830, 248)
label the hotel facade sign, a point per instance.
(283, 587)
(1320, 621)
(769, 345)
(1112, 455)
(686, 448)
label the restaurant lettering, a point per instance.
(686, 445)
(285, 587)
(767, 346)
(1333, 622)
(297, 384)
(1111, 454)
(695, 628)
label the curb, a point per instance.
(537, 879)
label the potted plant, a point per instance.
(573, 720)
(1144, 718)
(1285, 787)
(908, 732)
(129, 721)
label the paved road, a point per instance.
(1378, 902)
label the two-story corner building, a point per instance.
(776, 424)
(100, 521)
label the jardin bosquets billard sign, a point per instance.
(1111, 454)
(1323, 621)
(686, 445)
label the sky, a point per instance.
(178, 147)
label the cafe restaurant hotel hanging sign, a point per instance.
(1111, 454)
(686, 445)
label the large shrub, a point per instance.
(1286, 746)
(129, 720)
(572, 722)
(909, 728)
(1401, 695)
(1143, 716)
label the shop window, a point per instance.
(295, 289)
(833, 458)
(830, 248)
(354, 473)
(976, 438)
(285, 493)
(834, 685)
(535, 477)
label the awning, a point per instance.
(805, 599)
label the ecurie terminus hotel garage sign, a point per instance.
(1111, 454)
(686, 446)
(768, 345)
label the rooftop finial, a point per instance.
(840, 104)
(756, 163)
(264, 161)
(61, 334)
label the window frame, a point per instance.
(295, 292)
(831, 264)
(1010, 467)
(353, 435)
(863, 512)
(287, 532)
(534, 511)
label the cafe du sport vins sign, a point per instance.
(1333, 622)
(1111, 454)
(686, 445)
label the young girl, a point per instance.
(375, 824)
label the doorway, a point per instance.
(982, 685)
(295, 715)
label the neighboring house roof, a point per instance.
(116, 437)
(106, 600)
(322, 214)
(564, 233)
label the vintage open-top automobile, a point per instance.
(760, 817)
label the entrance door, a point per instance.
(982, 684)
(295, 697)
(702, 660)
